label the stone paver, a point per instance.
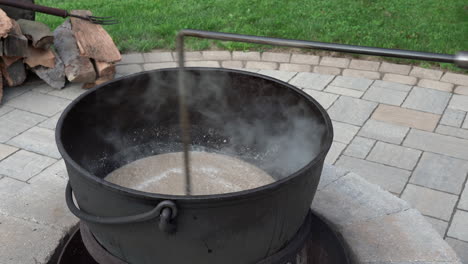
(334, 152)
(395, 68)
(16, 122)
(442, 86)
(440, 172)
(395, 156)
(364, 65)
(294, 67)
(4, 109)
(360, 110)
(354, 83)
(459, 102)
(189, 56)
(406, 117)
(23, 165)
(460, 247)
(232, 64)
(452, 131)
(58, 169)
(305, 59)
(344, 91)
(441, 144)
(132, 58)
(410, 80)
(383, 131)
(453, 117)
(465, 123)
(430, 202)
(334, 62)
(309, 80)
(216, 55)
(161, 65)
(246, 56)
(325, 99)
(459, 229)
(158, 57)
(392, 86)
(343, 132)
(455, 78)
(261, 65)
(427, 100)
(6, 151)
(461, 90)
(50, 123)
(361, 74)
(202, 64)
(42, 104)
(70, 93)
(276, 56)
(280, 75)
(127, 69)
(12, 92)
(384, 95)
(426, 73)
(439, 225)
(327, 70)
(359, 147)
(389, 178)
(39, 140)
(463, 203)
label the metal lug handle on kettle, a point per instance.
(166, 211)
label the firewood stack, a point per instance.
(77, 51)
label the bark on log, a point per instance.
(5, 24)
(98, 81)
(40, 57)
(15, 74)
(38, 33)
(104, 69)
(93, 41)
(77, 68)
(55, 77)
(16, 44)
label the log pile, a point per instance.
(77, 51)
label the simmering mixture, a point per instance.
(210, 174)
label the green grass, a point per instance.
(429, 25)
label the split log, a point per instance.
(104, 69)
(77, 67)
(93, 40)
(7, 60)
(15, 74)
(5, 24)
(98, 81)
(55, 77)
(38, 33)
(16, 44)
(40, 57)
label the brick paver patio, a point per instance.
(404, 128)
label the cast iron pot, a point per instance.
(259, 119)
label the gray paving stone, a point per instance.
(246, 56)
(465, 123)
(436, 143)
(440, 172)
(395, 68)
(410, 80)
(383, 131)
(42, 88)
(430, 202)
(261, 65)
(161, 65)
(394, 155)
(334, 62)
(28, 242)
(389, 178)
(351, 199)
(295, 67)
(305, 59)
(276, 56)
(406, 117)
(57, 169)
(202, 64)
(359, 84)
(216, 55)
(361, 74)
(309, 80)
(459, 102)
(327, 70)
(426, 73)
(461, 90)
(439, 225)
(334, 152)
(442, 86)
(351, 110)
(384, 95)
(459, 227)
(344, 91)
(232, 64)
(189, 56)
(42, 104)
(12, 92)
(4, 109)
(71, 92)
(324, 99)
(16, 122)
(127, 69)
(23, 165)
(132, 58)
(38, 140)
(364, 65)
(157, 57)
(343, 132)
(50, 123)
(460, 79)
(453, 117)
(280, 75)
(6, 151)
(460, 247)
(402, 238)
(427, 100)
(329, 175)
(392, 85)
(452, 131)
(463, 202)
(359, 147)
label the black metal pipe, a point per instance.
(396, 53)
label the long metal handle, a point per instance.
(460, 59)
(37, 8)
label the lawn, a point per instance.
(428, 25)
